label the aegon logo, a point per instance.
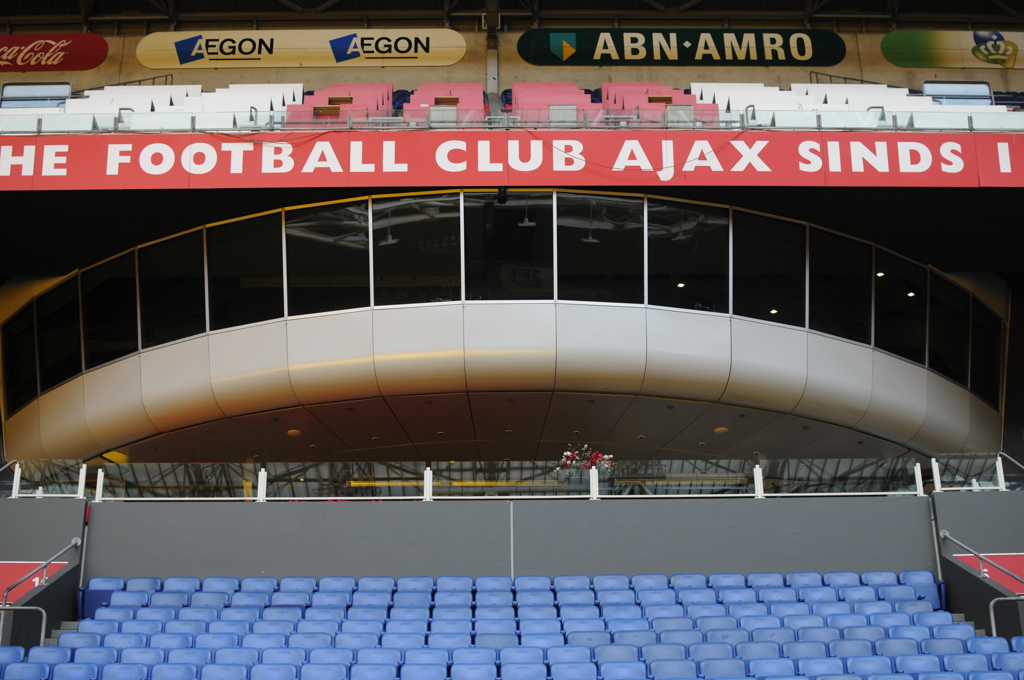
(222, 49)
(384, 47)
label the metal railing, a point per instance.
(5, 606)
(945, 535)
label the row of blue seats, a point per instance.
(229, 584)
(528, 598)
(711, 669)
(328, 620)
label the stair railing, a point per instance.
(944, 535)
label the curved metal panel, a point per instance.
(838, 381)
(769, 366)
(947, 417)
(176, 386)
(612, 338)
(63, 429)
(986, 430)
(510, 347)
(688, 355)
(249, 369)
(898, 394)
(21, 433)
(113, 403)
(330, 357)
(419, 350)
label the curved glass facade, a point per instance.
(451, 246)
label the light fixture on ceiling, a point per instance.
(590, 237)
(526, 221)
(773, 311)
(879, 274)
(389, 241)
(680, 285)
(911, 294)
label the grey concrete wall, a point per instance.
(509, 537)
(989, 522)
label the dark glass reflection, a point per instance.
(19, 338)
(688, 256)
(416, 250)
(109, 311)
(900, 306)
(509, 252)
(600, 248)
(986, 353)
(172, 289)
(60, 342)
(768, 269)
(840, 286)
(949, 318)
(246, 277)
(328, 258)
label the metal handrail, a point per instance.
(944, 535)
(10, 463)
(42, 625)
(1000, 454)
(75, 542)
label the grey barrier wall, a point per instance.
(34, 530)
(970, 595)
(509, 537)
(987, 522)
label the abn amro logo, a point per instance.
(563, 45)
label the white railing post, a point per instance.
(81, 482)
(16, 483)
(261, 486)
(595, 484)
(1000, 477)
(936, 476)
(918, 479)
(99, 485)
(758, 482)
(428, 483)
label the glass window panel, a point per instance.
(172, 290)
(949, 318)
(768, 269)
(509, 250)
(19, 338)
(840, 286)
(416, 250)
(328, 258)
(986, 353)
(900, 306)
(246, 271)
(600, 248)
(688, 256)
(60, 340)
(109, 311)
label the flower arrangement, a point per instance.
(579, 460)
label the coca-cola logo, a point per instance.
(46, 52)
(49, 52)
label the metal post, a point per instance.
(99, 485)
(428, 484)
(918, 479)
(16, 484)
(81, 481)
(261, 486)
(1000, 477)
(758, 482)
(936, 476)
(595, 484)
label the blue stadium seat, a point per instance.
(898, 646)
(864, 632)
(803, 579)
(825, 634)
(205, 614)
(424, 671)
(162, 614)
(371, 598)
(615, 596)
(812, 667)
(218, 640)
(827, 609)
(150, 583)
(188, 584)
(991, 675)
(493, 583)
(414, 584)
(803, 649)
(336, 584)
(711, 669)
(781, 609)
(879, 578)
(965, 663)
(847, 648)
(610, 581)
(706, 623)
(689, 596)
(945, 675)
(75, 671)
(100, 627)
(671, 669)
(372, 671)
(539, 626)
(623, 670)
(379, 655)
(665, 623)
(777, 634)
(839, 579)
(615, 652)
(249, 599)
(450, 583)
(148, 656)
(730, 635)
(375, 583)
(203, 599)
(943, 646)
(681, 581)
(934, 618)
(978, 645)
(858, 594)
(217, 671)
(727, 580)
(757, 650)
(814, 594)
(574, 611)
(323, 671)
(889, 619)
(620, 625)
(892, 593)
(543, 640)
(869, 607)
(803, 621)
(220, 584)
(279, 627)
(418, 626)
(410, 598)
(523, 671)
(291, 598)
(145, 627)
(108, 614)
(649, 582)
(591, 639)
(21, 670)
(263, 641)
(638, 638)
(245, 656)
(360, 613)
(680, 637)
(170, 641)
(132, 599)
(74, 640)
(771, 667)
(1013, 661)
(331, 655)
(656, 596)
(462, 612)
(540, 612)
(962, 631)
(659, 611)
(493, 598)
(911, 606)
(582, 670)
(510, 655)
(729, 596)
(572, 582)
(259, 584)
(373, 627)
(754, 622)
(917, 663)
(174, 671)
(695, 611)
(473, 671)
(531, 583)
(403, 640)
(662, 650)
(780, 594)
(285, 655)
(846, 620)
(48, 655)
(105, 583)
(187, 655)
(869, 665)
(454, 598)
(766, 579)
(340, 599)
(124, 671)
(710, 650)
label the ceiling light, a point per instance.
(721, 430)
(774, 311)
(294, 433)
(880, 274)
(910, 294)
(680, 285)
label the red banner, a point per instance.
(1013, 562)
(510, 158)
(52, 52)
(12, 571)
